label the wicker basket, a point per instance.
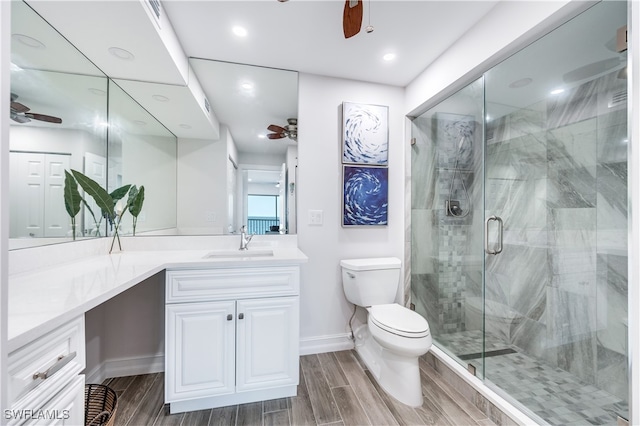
(100, 404)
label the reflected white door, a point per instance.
(57, 222)
(37, 195)
(95, 167)
(26, 194)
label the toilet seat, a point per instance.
(399, 320)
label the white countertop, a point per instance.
(45, 298)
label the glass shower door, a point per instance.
(556, 220)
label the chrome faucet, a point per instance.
(244, 238)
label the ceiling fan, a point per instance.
(289, 131)
(352, 18)
(20, 113)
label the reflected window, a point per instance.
(263, 214)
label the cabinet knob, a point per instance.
(229, 317)
(241, 316)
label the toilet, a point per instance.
(394, 336)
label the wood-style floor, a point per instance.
(334, 389)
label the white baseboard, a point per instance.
(321, 344)
(121, 367)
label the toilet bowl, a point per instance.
(394, 337)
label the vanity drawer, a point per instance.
(193, 285)
(41, 368)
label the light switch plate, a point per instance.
(316, 217)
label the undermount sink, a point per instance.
(258, 252)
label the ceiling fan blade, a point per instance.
(276, 135)
(43, 117)
(352, 17)
(18, 107)
(276, 129)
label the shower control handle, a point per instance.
(486, 234)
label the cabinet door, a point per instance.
(200, 346)
(267, 343)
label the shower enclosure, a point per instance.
(519, 223)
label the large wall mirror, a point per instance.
(69, 115)
(243, 174)
(142, 152)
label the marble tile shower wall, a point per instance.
(556, 173)
(444, 166)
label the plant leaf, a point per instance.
(135, 205)
(72, 198)
(117, 194)
(132, 194)
(98, 193)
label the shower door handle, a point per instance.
(486, 235)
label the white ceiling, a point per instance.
(306, 35)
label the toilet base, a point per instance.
(398, 375)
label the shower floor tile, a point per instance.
(555, 395)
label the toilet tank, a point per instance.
(368, 282)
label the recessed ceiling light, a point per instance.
(520, 83)
(247, 85)
(389, 56)
(185, 126)
(120, 53)
(160, 98)
(557, 91)
(29, 41)
(239, 31)
(97, 92)
(262, 136)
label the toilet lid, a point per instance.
(399, 320)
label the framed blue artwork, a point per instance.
(365, 134)
(365, 195)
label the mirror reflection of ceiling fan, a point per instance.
(20, 113)
(289, 131)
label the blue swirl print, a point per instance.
(366, 195)
(366, 138)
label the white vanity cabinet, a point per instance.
(231, 335)
(45, 387)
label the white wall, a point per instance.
(202, 164)
(126, 349)
(151, 161)
(324, 310)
